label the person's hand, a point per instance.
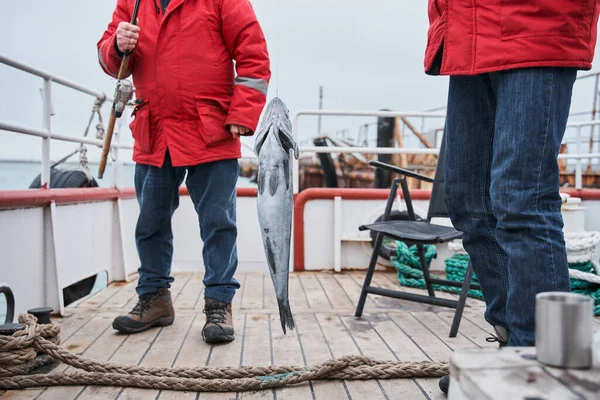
(237, 131)
(127, 36)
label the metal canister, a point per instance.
(564, 329)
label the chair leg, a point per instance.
(421, 251)
(462, 301)
(369, 276)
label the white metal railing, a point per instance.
(578, 156)
(47, 135)
(46, 132)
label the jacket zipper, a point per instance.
(157, 7)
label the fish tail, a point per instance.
(285, 315)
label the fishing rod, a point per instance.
(123, 93)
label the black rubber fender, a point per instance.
(386, 251)
(10, 303)
(65, 178)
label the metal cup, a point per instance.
(564, 329)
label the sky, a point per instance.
(366, 55)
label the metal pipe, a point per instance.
(46, 117)
(48, 76)
(371, 150)
(5, 126)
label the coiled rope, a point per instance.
(581, 249)
(37, 345)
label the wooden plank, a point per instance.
(253, 293)
(316, 350)
(317, 299)
(131, 351)
(341, 344)
(353, 289)
(442, 330)
(514, 383)
(257, 349)
(228, 355)
(190, 293)
(78, 343)
(237, 299)
(405, 349)
(335, 293)
(384, 281)
(123, 298)
(269, 297)
(298, 300)
(432, 346)
(194, 353)
(102, 296)
(370, 344)
(468, 329)
(27, 394)
(162, 353)
(287, 351)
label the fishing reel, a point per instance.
(123, 95)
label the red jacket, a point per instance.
(469, 37)
(183, 71)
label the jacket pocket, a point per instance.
(140, 126)
(525, 18)
(212, 114)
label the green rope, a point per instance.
(407, 263)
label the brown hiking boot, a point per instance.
(219, 323)
(152, 309)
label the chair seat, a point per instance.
(414, 231)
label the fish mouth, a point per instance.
(277, 118)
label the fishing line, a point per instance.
(277, 48)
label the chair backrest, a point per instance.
(437, 205)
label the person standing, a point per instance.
(511, 66)
(192, 105)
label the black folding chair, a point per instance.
(418, 233)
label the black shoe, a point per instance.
(444, 383)
(219, 322)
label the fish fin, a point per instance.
(286, 173)
(273, 182)
(261, 181)
(285, 315)
(271, 257)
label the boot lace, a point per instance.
(215, 314)
(143, 304)
(495, 338)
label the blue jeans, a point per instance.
(212, 188)
(503, 132)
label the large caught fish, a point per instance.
(274, 141)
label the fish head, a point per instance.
(276, 122)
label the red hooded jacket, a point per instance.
(183, 70)
(470, 37)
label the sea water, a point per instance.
(18, 175)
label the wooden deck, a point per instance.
(323, 305)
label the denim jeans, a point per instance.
(503, 132)
(212, 188)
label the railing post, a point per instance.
(46, 116)
(578, 172)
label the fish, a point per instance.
(274, 147)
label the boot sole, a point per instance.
(219, 339)
(164, 321)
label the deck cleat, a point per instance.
(10, 329)
(42, 314)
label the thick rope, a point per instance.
(37, 345)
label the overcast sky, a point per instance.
(367, 55)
